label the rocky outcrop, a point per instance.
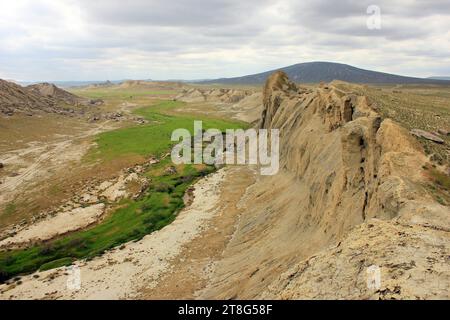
(61, 96)
(427, 135)
(372, 167)
(150, 85)
(350, 195)
(213, 95)
(40, 98)
(13, 97)
(412, 263)
(243, 105)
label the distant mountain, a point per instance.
(439, 78)
(69, 84)
(314, 72)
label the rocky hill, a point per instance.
(14, 98)
(59, 95)
(350, 196)
(316, 72)
(150, 85)
(39, 98)
(213, 95)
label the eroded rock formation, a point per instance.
(213, 95)
(43, 97)
(350, 195)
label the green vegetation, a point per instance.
(10, 208)
(439, 186)
(152, 139)
(56, 264)
(135, 218)
(441, 179)
(157, 208)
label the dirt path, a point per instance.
(138, 268)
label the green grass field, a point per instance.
(135, 218)
(153, 139)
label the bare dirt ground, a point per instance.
(38, 162)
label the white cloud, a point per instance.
(111, 39)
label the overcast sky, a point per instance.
(192, 39)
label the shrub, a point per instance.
(3, 276)
(47, 249)
(163, 187)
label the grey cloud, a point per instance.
(401, 19)
(188, 13)
(197, 38)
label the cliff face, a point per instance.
(356, 165)
(349, 196)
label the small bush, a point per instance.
(47, 249)
(441, 179)
(146, 207)
(163, 187)
(9, 260)
(3, 276)
(56, 264)
(77, 244)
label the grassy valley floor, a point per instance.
(133, 219)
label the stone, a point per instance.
(171, 170)
(426, 135)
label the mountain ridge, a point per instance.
(445, 78)
(320, 71)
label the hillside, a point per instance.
(356, 198)
(42, 97)
(14, 98)
(440, 78)
(315, 72)
(213, 95)
(59, 95)
(150, 85)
